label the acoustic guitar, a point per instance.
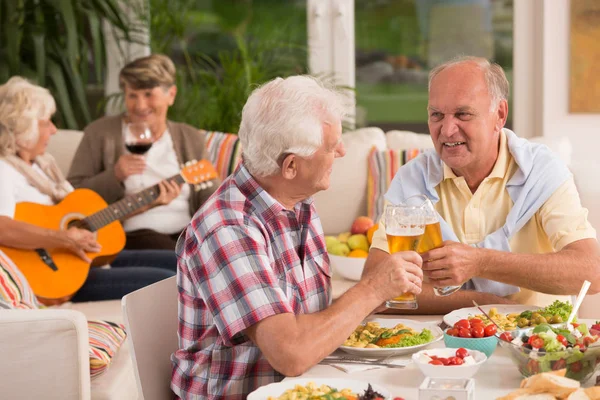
(55, 275)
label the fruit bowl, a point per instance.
(464, 371)
(580, 365)
(486, 345)
(348, 267)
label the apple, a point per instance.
(361, 225)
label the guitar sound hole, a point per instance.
(79, 223)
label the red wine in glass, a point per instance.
(139, 147)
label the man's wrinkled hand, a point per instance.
(451, 264)
(399, 273)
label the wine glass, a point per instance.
(138, 139)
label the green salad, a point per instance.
(547, 348)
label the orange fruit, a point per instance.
(358, 253)
(371, 231)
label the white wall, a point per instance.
(541, 96)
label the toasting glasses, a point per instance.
(413, 225)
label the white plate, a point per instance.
(438, 334)
(465, 313)
(277, 389)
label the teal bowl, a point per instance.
(486, 345)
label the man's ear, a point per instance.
(502, 114)
(289, 167)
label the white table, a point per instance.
(497, 377)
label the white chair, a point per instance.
(151, 320)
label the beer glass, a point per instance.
(404, 227)
(432, 238)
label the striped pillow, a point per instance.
(224, 152)
(105, 340)
(14, 288)
(382, 166)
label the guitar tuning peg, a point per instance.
(197, 188)
(203, 186)
(209, 184)
(187, 164)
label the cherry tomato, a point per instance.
(490, 330)
(538, 343)
(398, 398)
(452, 332)
(463, 323)
(462, 353)
(445, 361)
(506, 336)
(533, 366)
(457, 361)
(562, 340)
(532, 338)
(575, 324)
(435, 362)
(464, 333)
(588, 340)
(576, 366)
(475, 321)
(477, 331)
(559, 364)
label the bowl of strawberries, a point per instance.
(472, 334)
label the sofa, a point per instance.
(38, 373)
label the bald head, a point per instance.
(471, 70)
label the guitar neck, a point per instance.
(126, 206)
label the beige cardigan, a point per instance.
(93, 166)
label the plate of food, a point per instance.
(381, 337)
(320, 388)
(514, 316)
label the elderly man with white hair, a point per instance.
(254, 277)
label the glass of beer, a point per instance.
(404, 227)
(432, 238)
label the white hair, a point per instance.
(495, 78)
(22, 105)
(286, 116)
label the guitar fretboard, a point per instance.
(125, 207)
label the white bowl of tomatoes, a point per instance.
(472, 334)
(450, 363)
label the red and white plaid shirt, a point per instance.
(243, 258)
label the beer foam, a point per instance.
(405, 230)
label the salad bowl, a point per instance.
(548, 348)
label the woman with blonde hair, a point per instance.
(29, 174)
(102, 162)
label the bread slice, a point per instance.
(560, 372)
(579, 394)
(559, 386)
(593, 392)
(526, 394)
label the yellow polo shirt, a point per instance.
(472, 216)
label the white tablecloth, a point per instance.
(497, 377)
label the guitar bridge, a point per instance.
(47, 259)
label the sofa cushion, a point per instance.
(63, 145)
(402, 140)
(15, 291)
(346, 197)
(224, 151)
(105, 340)
(383, 165)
